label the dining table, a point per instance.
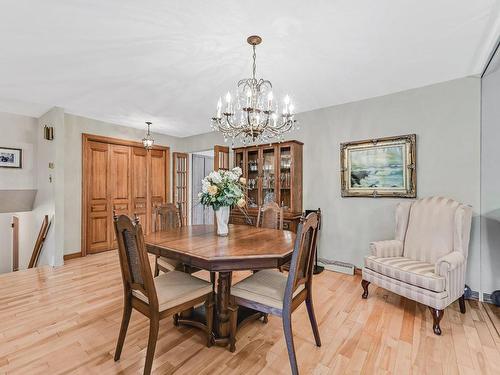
(244, 248)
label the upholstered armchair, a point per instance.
(426, 261)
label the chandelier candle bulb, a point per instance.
(269, 101)
(219, 108)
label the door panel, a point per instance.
(140, 185)
(120, 184)
(158, 177)
(99, 212)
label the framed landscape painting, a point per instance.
(11, 157)
(383, 167)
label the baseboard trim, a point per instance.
(72, 256)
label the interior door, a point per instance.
(201, 166)
(139, 165)
(99, 210)
(119, 184)
(158, 178)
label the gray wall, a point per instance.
(490, 177)
(446, 119)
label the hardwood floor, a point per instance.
(66, 320)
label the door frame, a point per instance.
(86, 138)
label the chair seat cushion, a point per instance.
(266, 287)
(174, 288)
(167, 263)
(413, 272)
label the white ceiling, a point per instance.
(128, 61)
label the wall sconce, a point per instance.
(48, 132)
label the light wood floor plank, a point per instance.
(66, 320)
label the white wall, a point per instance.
(75, 126)
(50, 197)
(445, 118)
(490, 178)
(18, 132)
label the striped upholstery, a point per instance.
(430, 229)
(437, 300)
(389, 248)
(434, 233)
(410, 271)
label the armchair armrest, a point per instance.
(385, 249)
(448, 263)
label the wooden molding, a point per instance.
(72, 256)
(118, 141)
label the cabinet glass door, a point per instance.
(252, 173)
(285, 164)
(268, 176)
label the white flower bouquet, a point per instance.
(223, 189)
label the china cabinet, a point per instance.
(274, 174)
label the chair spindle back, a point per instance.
(134, 260)
(301, 267)
(168, 216)
(270, 216)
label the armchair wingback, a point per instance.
(427, 259)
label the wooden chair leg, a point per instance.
(233, 326)
(127, 311)
(437, 315)
(154, 325)
(265, 318)
(209, 311)
(157, 270)
(287, 328)
(212, 280)
(461, 302)
(312, 318)
(365, 284)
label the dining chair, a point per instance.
(156, 298)
(270, 216)
(272, 292)
(167, 216)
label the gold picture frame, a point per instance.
(382, 167)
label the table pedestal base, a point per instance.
(197, 318)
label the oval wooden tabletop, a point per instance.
(246, 247)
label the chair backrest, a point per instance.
(270, 216)
(435, 227)
(134, 260)
(168, 216)
(301, 266)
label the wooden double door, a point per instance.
(122, 177)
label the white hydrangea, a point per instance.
(237, 171)
(231, 176)
(215, 177)
(204, 185)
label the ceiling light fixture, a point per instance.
(148, 141)
(253, 114)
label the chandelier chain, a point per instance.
(254, 63)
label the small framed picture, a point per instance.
(11, 157)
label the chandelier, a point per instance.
(148, 141)
(253, 115)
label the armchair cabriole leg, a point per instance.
(365, 284)
(461, 302)
(437, 315)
